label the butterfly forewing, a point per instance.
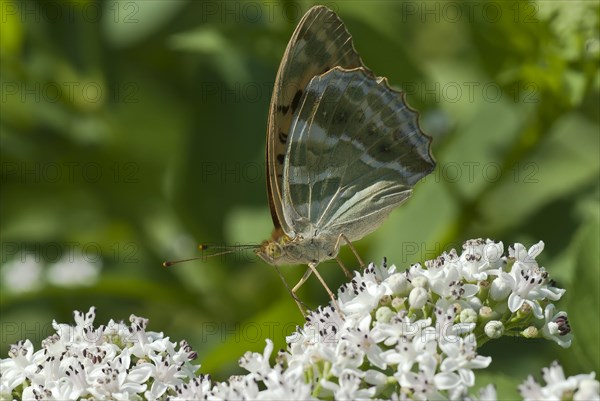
(319, 43)
(354, 152)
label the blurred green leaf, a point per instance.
(583, 315)
(506, 386)
(11, 30)
(275, 323)
(563, 164)
(127, 22)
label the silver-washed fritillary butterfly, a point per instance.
(343, 148)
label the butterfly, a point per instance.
(343, 148)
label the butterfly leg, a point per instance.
(337, 247)
(346, 272)
(303, 308)
(313, 268)
(305, 277)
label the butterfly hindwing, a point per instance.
(354, 152)
(319, 43)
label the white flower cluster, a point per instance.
(397, 335)
(558, 387)
(116, 361)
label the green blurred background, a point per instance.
(133, 130)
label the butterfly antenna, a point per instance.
(176, 262)
(204, 247)
(227, 249)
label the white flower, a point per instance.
(588, 390)
(165, 372)
(22, 365)
(368, 294)
(445, 279)
(524, 258)
(115, 383)
(361, 339)
(22, 274)
(461, 358)
(236, 388)
(445, 322)
(398, 329)
(257, 363)
(83, 334)
(37, 392)
(556, 327)
(411, 351)
(527, 281)
(348, 387)
(198, 388)
(421, 385)
(480, 258)
(487, 393)
(74, 271)
(558, 387)
(448, 263)
(69, 387)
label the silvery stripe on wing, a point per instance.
(364, 214)
(335, 205)
(351, 133)
(296, 176)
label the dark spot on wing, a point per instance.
(280, 158)
(371, 129)
(308, 36)
(296, 100)
(339, 117)
(282, 137)
(283, 109)
(361, 116)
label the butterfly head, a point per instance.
(273, 251)
(285, 250)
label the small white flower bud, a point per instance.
(384, 314)
(530, 332)
(385, 300)
(486, 313)
(524, 310)
(499, 290)
(494, 329)
(468, 316)
(492, 253)
(375, 377)
(398, 303)
(420, 281)
(418, 297)
(475, 303)
(398, 284)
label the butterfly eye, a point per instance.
(273, 250)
